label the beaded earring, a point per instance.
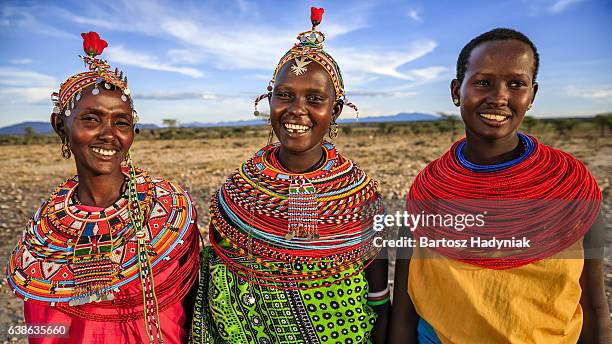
(352, 106)
(66, 153)
(268, 95)
(333, 129)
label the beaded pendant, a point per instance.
(303, 210)
(94, 271)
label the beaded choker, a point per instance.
(525, 140)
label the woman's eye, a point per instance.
(481, 83)
(517, 83)
(315, 99)
(283, 95)
(89, 118)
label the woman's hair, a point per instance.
(498, 34)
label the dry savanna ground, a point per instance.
(30, 172)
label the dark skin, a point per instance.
(499, 82)
(309, 100)
(100, 131)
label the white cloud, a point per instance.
(414, 15)
(20, 61)
(29, 95)
(602, 92)
(188, 56)
(383, 63)
(560, 5)
(25, 86)
(174, 95)
(380, 94)
(119, 54)
(18, 77)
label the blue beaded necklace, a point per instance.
(527, 142)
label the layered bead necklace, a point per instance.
(321, 219)
(545, 195)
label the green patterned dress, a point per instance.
(225, 314)
(255, 300)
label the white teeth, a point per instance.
(498, 118)
(104, 151)
(296, 128)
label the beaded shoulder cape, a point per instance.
(257, 214)
(41, 267)
(546, 195)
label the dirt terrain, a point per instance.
(29, 173)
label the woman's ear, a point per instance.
(454, 88)
(337, 110)
(535, 90)
(59, 125)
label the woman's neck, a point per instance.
(484, 151)
(99, 190)
(301, 162)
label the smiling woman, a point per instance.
(292, 257)
(552, 290)
(112, 255)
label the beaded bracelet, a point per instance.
(379, 298)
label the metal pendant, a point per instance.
(124, 98)
(67, 113)
(95, 91)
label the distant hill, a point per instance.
(45, 127)
(19, 128)
(243, 123)
(400, 117)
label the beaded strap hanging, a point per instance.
(151, 305)
(303, 215)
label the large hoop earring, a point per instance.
(66, 153)
(333, 130)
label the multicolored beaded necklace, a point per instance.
(79, 250)
(322, 219)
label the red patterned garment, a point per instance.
(79, 266)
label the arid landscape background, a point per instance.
(201, 160)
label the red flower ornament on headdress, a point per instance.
(316, 15)
(93, 44)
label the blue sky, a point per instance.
(207, 60)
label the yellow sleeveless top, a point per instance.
(534, 303)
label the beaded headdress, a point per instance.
(99, 75)
(308, 49)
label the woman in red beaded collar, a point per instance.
(292, 257)
(538, 278)
(112, 255)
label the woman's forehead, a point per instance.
(505, 54)
(296, 73)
